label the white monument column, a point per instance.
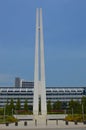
(42, 67)
(36, 71)
(39, 72)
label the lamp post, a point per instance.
(4, 113)
(12, 111)
(83, 112)
(72, 112)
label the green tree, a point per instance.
(26, 105)
(1, 111)
(57, 105)
(7, 107)
(49, 106)
(18, 105)
(75, 107)
(83, 101)
(11, 106)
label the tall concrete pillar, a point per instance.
(36, 70)
(39, 72)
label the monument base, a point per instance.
(40, 119)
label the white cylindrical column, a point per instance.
(36, 69)
(42, 67)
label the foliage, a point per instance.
(49, 106)
(75, 107)
(18, 105)
(75, 117)
(1, 111)
(11, 106)
(11, 119)
(26, 105)
(57, 105)
(83, 101)
(7, 108)
(23, 112)
(56, 112)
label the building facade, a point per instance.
(26, 91)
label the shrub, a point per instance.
(11, 119)
(76, 117)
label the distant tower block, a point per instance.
(39, 102)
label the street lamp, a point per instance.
(83, 112)
(4, 113)
(12, 111)
(72, 112)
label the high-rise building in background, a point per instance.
(20, 83)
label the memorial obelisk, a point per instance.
(39, 101)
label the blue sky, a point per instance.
(64, 23)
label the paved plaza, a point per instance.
(51, 124)
(56, 129)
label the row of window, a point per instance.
(46, 94)
(24, 94)
(52, 94)
(15, 91)
(64, 91)
(1, 102)
(62, 98)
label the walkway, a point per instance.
(49, 124)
